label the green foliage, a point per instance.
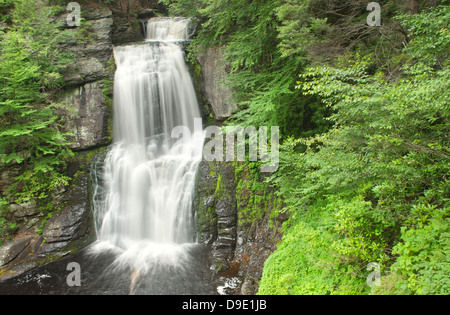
(261, 76)
(382, 172)
(431, 36)
(302, 264)
(424, 254)
(31, 132)
(299, 29)
(5, 7)
(310, 260)
(190, 8)
(255, 197)
(385, 135)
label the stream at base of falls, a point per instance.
(100, 276)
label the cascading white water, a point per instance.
(149, 177)
(167, 29)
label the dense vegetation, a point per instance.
(364, 115)
(34, 146)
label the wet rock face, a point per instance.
(72, 223)
(84, 70)
(66, 230)
(217, 95)
(13, 249)
(90, 124)
(215, 202)
(240, 238)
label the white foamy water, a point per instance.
(147, 214)
(166, 29)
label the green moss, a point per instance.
(217, 185)
(255, 198)
(219, 190)
(92, 153)
(206, 215)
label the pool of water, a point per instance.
(100, 276)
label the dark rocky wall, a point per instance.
(240, 238)
(215, 204)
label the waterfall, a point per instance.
(149, 177)
(167, 29)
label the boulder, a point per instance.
(90, 122)
(217, 94)
(13, 249)
(146, 14)
(24, 210)
(84, 70)
(125, 31)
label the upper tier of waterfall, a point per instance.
(167, 29)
